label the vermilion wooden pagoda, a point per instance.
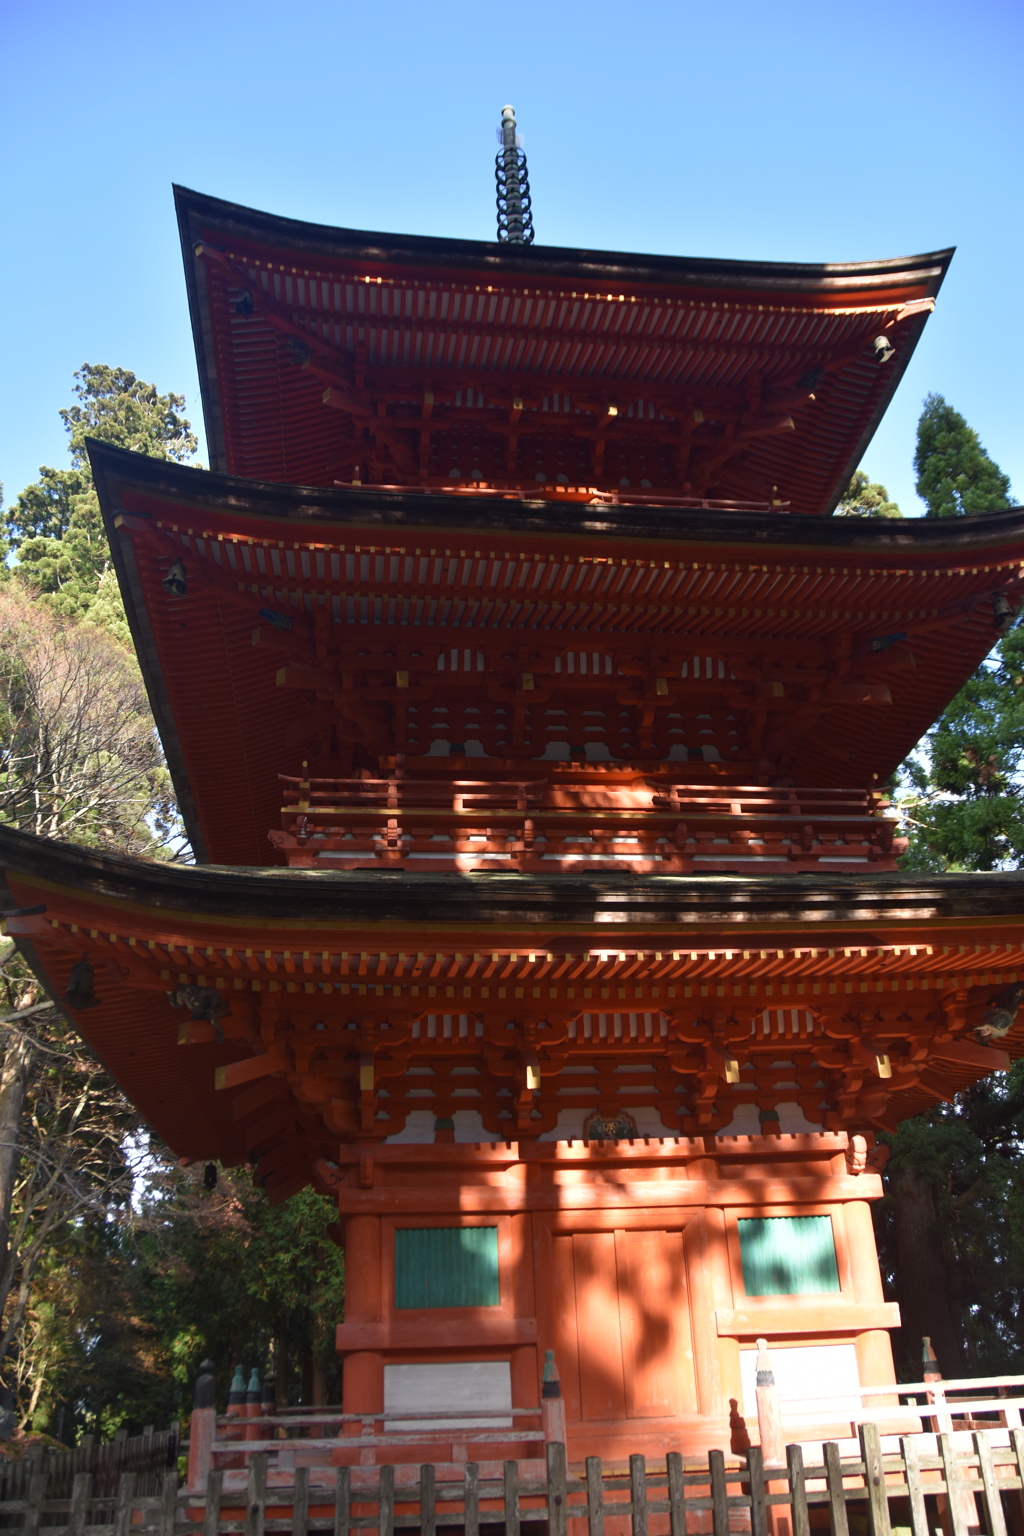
(533, 752)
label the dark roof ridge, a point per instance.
(342, 506)
(230, 891)
(557, 261)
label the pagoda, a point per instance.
(530, 718)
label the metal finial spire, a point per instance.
(515, 220)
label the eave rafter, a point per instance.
(703, 426)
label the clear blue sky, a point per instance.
(799, 131)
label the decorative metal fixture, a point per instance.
(515, 219)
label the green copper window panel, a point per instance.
(446, 1267)
(788, 1255)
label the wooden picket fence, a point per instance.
(148, 1455)
(941, 1487)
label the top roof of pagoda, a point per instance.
(332, 355)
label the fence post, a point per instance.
(256, 1494)
(960, 1512)
(428, 1509)
(758, 1493)
(300, 1503)
(471, 1518)
(202, 1429)
(769, 1410)
(34, 1499)
(638, 1494)
(993, 1503)
(874, 1480)
(557, 1491)
(80, 1490)
(511, 1498)
(719, 1493)
(386, 1500)
(595, 1497)
(838, 1516)
(676, 1494)
(552, 1404)
(168, 1502)
(798, 1491)
(342, 1501)
(211, 1512)
(125, 1499)
(915, 1493)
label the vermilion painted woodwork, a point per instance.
(538, 794)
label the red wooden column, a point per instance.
(363, 1371)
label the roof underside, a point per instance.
(762, 627)
(331, 355)
(277, 944)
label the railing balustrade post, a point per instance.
(552, 1404)
(769, 1410)
(202, 1429)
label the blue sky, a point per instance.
(798, 132)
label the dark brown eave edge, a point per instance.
(221, 892)
(322, 509)
(554, 263)
(123, 557)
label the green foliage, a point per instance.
(969, 1153)
(962, 792)
(955, 476)
(964, 797)
(127, 1308)
(862, 498)
(54, 528)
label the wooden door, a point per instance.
(622, 1324)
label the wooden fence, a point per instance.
(148, 1456)
(872, 1492)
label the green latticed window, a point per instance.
(788, 1255)
(446, 1267)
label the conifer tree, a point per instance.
(54, 528)
(955, 476)
(865, 498)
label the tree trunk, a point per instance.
(927, 1281)
(13, 1086)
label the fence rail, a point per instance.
(675, 1498)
